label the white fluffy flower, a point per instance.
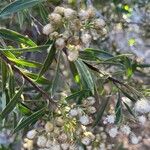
(142, 106)
(65, 146)
(69, 13)
(125, 129)
(83, 14)
(109, 119)
(113, 132)
(86, 141)
(91, 100)
(47, 29)
(134, 139)
(59, 10)
(142, 119)
(91, 110)
(73, 112)
(86, 38)
(85, 120)
(55, 18)
(99, 23)
(41, 141)
(31, 134)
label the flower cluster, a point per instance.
(73, 29)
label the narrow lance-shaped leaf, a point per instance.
(118, 110)
(15, 36)
(28, 49)
(129, 109)
(55, 81)
(101, 111)
(11, 83)
(48, 60)
(17, 6)
(11, 105)
(32, 118)
(85, 75)
(4, 74)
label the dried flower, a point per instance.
(47, 29)
(55, 18)
(49, 127)
(109, 119)
(60, 43)
(69, 13)
(86, 140)
(73, 112)
(59, 10)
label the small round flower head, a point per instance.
(142, 119)
(59, 10)
(28, 144)
(56, 131)
(91, 110)
(113, 132)
(134, 139)
(90, 135)
(31, 134)
(85, 120)
(94, 34)
(62, 138)
(49, 143)
(83, 14)
(55, 146)
(60, 43)
(41, 141)
(49, 127)
(73, 55)
(86, 141)
(142, 106)
(91, 12)
(69, 13)
(91, 100)
(99, 23)
(73, 112)
(65, 146)
(59, 121)
(55, 18)
(126, 129)
(86, 38)
(47, 29)
(109, 119)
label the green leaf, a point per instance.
(48, 60)
(29, 120)
(11, 105)
(41, 80)
(93, 55)
(24, 109)
(85, 75)
(15, 36)
(17, 6)
(101, 111)
(118, 110)
(129, 109)
(79, 94)
(28, 49)
(128, 96)
(55, 81)
(4, 74)
(11, 84)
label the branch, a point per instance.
(45, 95)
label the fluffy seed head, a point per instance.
(59, 10)
(41, 141)
(85, 120)
(86, 141)
(113, 132)
(55, 18)
(69, 13)
(60, 43)
(31, 134)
